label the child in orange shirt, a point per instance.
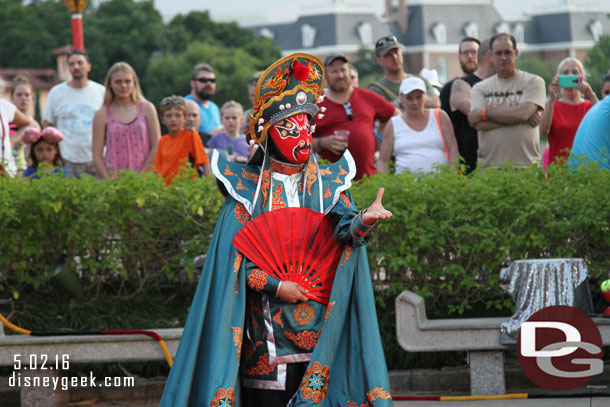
(181, 146)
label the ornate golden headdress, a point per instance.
(290, 86)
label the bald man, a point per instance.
(193, 121)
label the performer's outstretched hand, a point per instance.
(291, 292)
(376, 211)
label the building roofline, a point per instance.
(567, 6)
(449, 2)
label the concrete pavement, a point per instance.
(566, 402)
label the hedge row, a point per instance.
(448, 240)
(130, 229)
(449, 234)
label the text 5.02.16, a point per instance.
(41, 362)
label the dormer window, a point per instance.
(596, 29)
(308, 34)
(471, 29)
(365, 34)
(502, 28)
(265, 32)
(439, 32)
(519, 32)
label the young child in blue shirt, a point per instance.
(45, 155)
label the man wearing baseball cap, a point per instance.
(347, 118)
(389, 57)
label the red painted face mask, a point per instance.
(292, 138)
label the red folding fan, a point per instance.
(294, 244)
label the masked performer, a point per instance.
(252, 339)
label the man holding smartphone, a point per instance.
(506, 109)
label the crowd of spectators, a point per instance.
(492, 115)
(100, 130)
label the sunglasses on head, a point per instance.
(606, 78)
(348, 110)
(206, 80)
(382, 41)
(77, 52)
(172, 101)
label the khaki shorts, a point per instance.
(78, 169)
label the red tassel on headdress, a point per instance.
(301, 72)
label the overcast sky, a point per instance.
(260, 11)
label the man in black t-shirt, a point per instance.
(455, 96)
(468, 57)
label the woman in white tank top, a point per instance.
(419, 138)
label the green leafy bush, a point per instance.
(131, 229)
(449, 239)
(451, 236)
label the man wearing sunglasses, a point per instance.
(346, 107)
(389, 57)
(203, 88)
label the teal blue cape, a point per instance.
(347, 367)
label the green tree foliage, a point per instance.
(546, 70)
(235, 53)
(198, 26)
(233, 68)
(122, 30)
(598, 62)
(368, 69)
(133, 31)
(31, 32)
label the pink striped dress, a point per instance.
(127, 145)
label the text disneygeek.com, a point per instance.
(64, 383)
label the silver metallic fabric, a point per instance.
(540, 283)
